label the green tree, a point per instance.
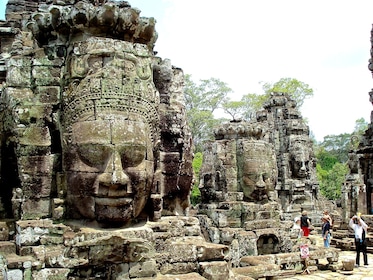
(332, 157)
(202, 100)
(332, 180)
(338, 146)
(250, 103)
(236, 109)
(360, 127)
(325, 159)
(253, 103)
(298, 90)
(196, 194)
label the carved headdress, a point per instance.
(107, 77)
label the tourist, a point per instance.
(326, 213)
(305, 224)
(360, 228)
(325, 232)
(297, 228)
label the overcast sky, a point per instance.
(325, 44)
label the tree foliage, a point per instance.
(337, 146)
(250, 103)
(298, 90)
(236, 109)
(202, 100)
(331, 180)
(332, 157)
(196, 194)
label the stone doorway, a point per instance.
(268, 244)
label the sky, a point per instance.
(325, 44)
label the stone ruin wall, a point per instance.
(357, 192)
(37, 41)
(230, 211)
(54, 51)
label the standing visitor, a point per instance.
(297, 228)
(325, 232)
(326, 213)
(305, 223)
(360, 228)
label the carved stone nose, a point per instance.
(260, 183)
(114, 176)
(303, 167)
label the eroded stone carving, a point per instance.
(257, 170)
(110, 132)
(256, 177)
(102, 118)
(94, 135)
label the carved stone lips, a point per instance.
(106, 201)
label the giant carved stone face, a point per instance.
(110, 167)
(258, 170)
(299, 159)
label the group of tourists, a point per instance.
(303, 225)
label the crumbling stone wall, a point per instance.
(49, 51)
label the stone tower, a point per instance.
(93, 124)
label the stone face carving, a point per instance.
(299, 157)
(256, 177)
(94, 123)
(257, 169)
(110, 131)
(297, 187)
(94, 137)
(357, 192)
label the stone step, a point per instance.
(7, 247)
(18, 262)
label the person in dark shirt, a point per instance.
(305, 223)
(325, 232)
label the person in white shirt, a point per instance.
(360, 231)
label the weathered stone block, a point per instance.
(35, 208)
(14, 274)
(29, 114)
(189, 276)
(7, 247)
(25, 96)
(17, 262)
(234, 196)
(247, 243)
(36, 187)
(48, 94)
(178, 268)
(35, 136)
(215, 270)
(51, 273)
(115, 249)
(29, 232)
(4, 231)
(262, 224)
(179, 251)
(227, 235)
(143, 269)
(46, 76)
(170, 162)
(209, 251)
(37, 165)
(19, 72)
(43, 60)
